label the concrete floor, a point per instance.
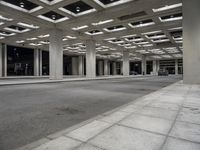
(30, 112)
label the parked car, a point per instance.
(163, 72)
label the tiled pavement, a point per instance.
(168, 119)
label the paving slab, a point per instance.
(177, 144)
(158, 112)
(123, 138)
(152, 124)
(88, 131)
(61, 143)
(186, 131)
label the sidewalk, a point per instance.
(168, 119)
(40, 80)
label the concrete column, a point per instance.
(36, 62)
(176, 66)
(40, 64)
(56, 54)
(144, 65)
(114, 68)
(80, 65)
(126, 65)
(191, 41)
(90, 59)
(100, 68)
(158, 65)
(155, 67)
(1, 60)
(105, 67)
(108, 67)
(75, 65)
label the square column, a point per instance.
(176, 66)
(191, 42)
(90, 59)
(144, 65)
(81, 65)
(36, 62)
(1, 60)
(108, 67)
(126, 65)
(74, 66)
(56, 54)
(100, 67)
(114, 67)
(105, 67)
(155, 70)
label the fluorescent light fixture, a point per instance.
(178, 28)
(21, 41)
(44, 42)
(130, 47)
(17, 31)
(179, 41)
(141, 25)
(108, 39)
(43, 36)
(1, 23)
(152, 32)
(112, 4)
(156, 36)
(80, 27)
(166, 56)
(167, 7)
(142, 51)
(1, 37)
(160, 40)
(35, 44)
(4, 34)
(114, 30)
(71, 37)
(28, 25)
(134, 40)
(142, 42)
(5, 18)
(31, 39)
(127, 36)
(116, 42)
(96, 33)
(51, 20)
(64, 39)
(79, 14)
(102, 22)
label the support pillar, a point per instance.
(1, 60)
(36, 62)
(81, 65)
(191, 44)
(100, 67)
(126, 65)
(144, 65)
(105, 67)
(75, 66)
(90, 59)
(108, 67)
(155, 67)
(114, 68)
(56, 54)
(176, 66)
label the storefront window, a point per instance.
(19, 61)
